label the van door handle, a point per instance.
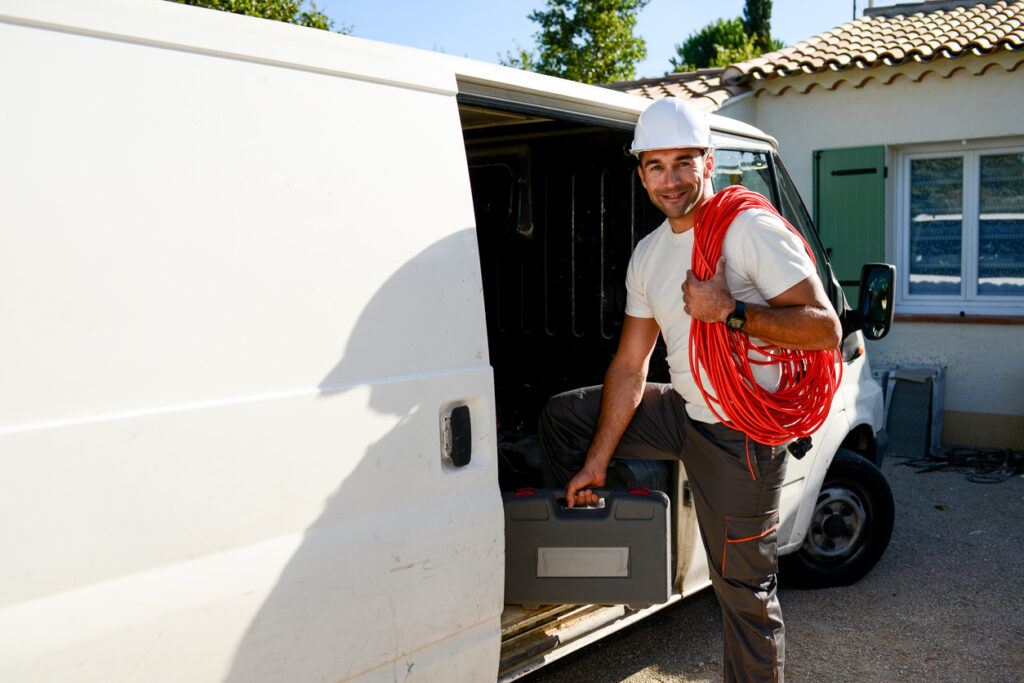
(457, 436)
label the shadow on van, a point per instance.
(375, 573)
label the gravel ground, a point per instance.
(945, 603)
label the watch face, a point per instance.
(737, 318)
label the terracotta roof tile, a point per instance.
(894, 35)
(919, 32)
(704, 87)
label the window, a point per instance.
(960, 231)
(750, 169)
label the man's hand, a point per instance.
(799, 318)
(709, 301)
(576, 492)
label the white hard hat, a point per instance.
(671, 123)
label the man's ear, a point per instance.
(709, 164)
(640, 172)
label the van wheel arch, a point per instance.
(850, 527)
(861, 440)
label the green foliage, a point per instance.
(527, 61)
(728, 41)
(725, 55)
(708, 46)
(288, 11)
(757, 22)
(590, 41)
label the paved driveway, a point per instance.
(945, 603)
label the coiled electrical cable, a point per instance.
(809, 379)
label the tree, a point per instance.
(288, 11)
(590, 41)
(757, 22)
(728, 41)
(716, 44)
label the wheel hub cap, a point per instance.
(838, 524)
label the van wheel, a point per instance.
(850, 527)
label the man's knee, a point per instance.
(550, 411)
(573, 403)
(566, 427)
(572, 411)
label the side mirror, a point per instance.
(875, 301)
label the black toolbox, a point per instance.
(616, 552)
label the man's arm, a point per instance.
(623, 388)
(799, 318)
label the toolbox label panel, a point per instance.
(608, 562)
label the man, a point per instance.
(769, 287)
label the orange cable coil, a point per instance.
(809, 379)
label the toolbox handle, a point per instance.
(601, 504)
(606, 500)
(602, 493)
(610, 503)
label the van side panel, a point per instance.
(238, 299)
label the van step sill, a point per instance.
(532, 638)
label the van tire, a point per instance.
(850, 527)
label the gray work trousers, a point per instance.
(735, 483)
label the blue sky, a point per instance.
(483, 29)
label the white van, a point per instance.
(279, 310)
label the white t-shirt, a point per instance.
(763, 258)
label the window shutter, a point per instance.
(849, 209)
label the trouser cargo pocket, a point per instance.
(751, 546)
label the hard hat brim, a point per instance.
(636, 152)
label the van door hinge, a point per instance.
(457, 436)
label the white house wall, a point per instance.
(984, 376)
(967, 99)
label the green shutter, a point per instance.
(849, 209)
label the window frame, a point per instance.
(969, 302)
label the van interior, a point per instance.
(559, 208)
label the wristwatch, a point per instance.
(738, 318)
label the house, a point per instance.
(904, 131)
